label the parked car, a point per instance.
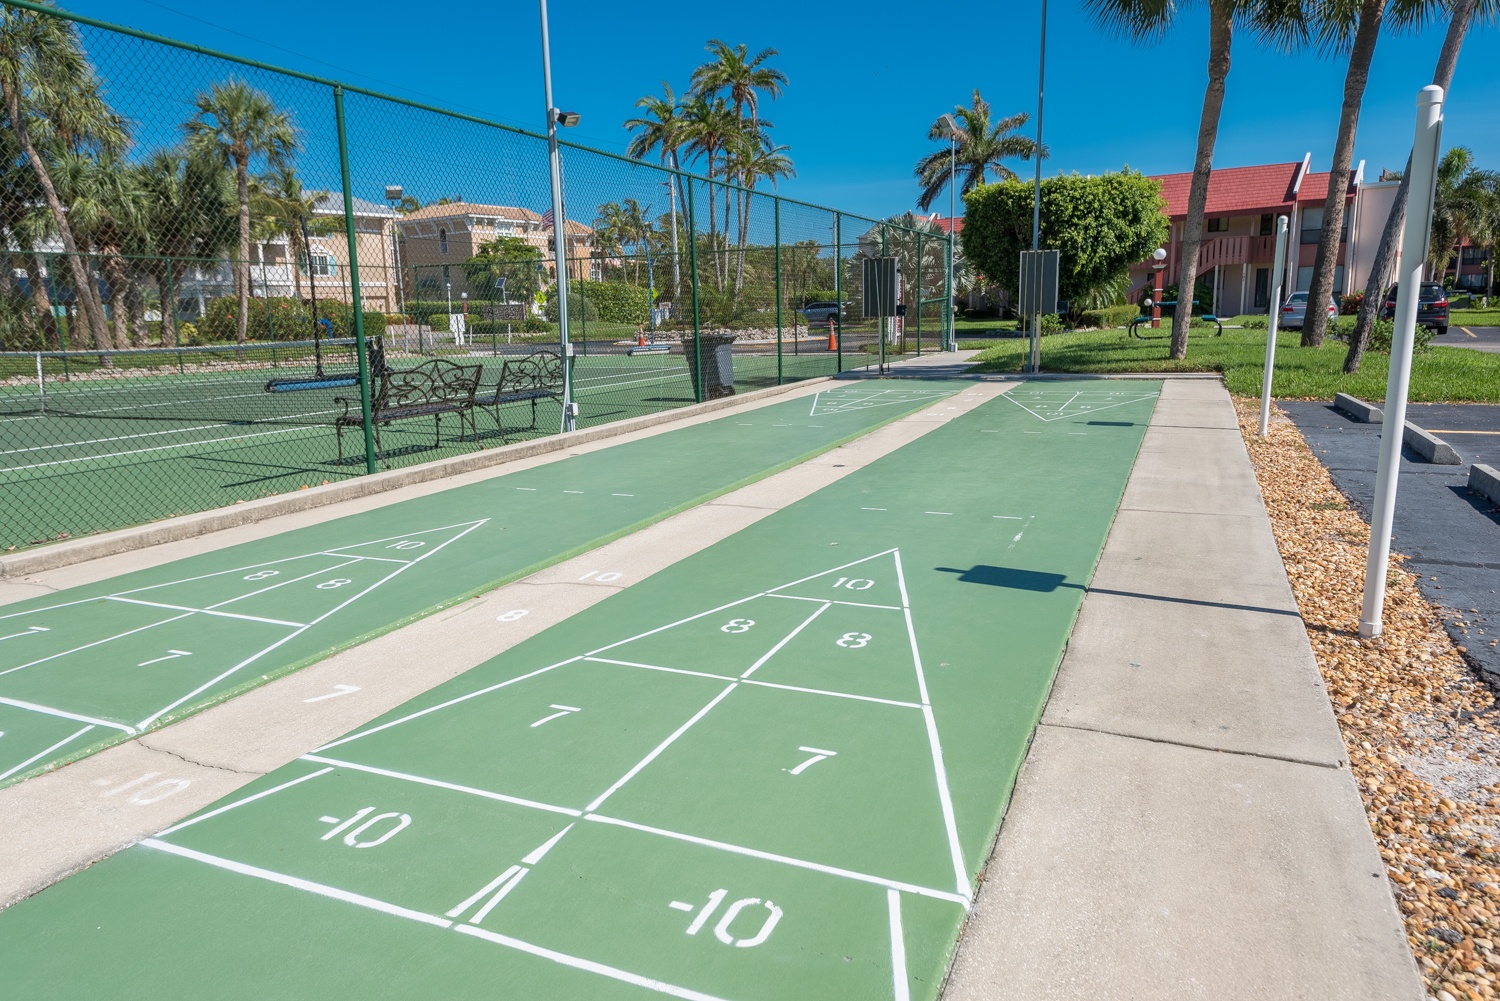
(1294, 311)
(821, 311)
(1432, 307)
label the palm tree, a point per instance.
(289, 208)
(755, 158)
(235, 122)
(983, 148)
(106, 211)
(1465, 12)
(711, 126)
(42, 69)
(1347, 29)
(190, 215)
(663, 129)
(1280, 21)
(743, 78)
(1455, 208)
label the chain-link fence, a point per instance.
(220, 283)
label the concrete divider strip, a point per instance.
(1485, 481)
(1430, 447)
(1366, 413)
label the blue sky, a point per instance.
(866, 80)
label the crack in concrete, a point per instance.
(1339, 766)
(201, 764)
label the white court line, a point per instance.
(444, 705)
(541, 850)
(673, 625)
(241, 802)
(835, 601)
(487, 888)
(762, 684)
(500, 895)
(351, 556)
(155, 448)
(785, 640)
(1049, 420)
(606, 794)
(962, 899)
(440, 784)
(587, 965)
(86, 646)
(298, 632)
(1008, 517)
(872, 509)
(898, 948)
(157, 434)
(255, 592)
(204, 611)
(64, 714)
(42, 754)
(824, 573)
(298, 884)
(26, 632)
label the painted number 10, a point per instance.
(854, 583)
(727, 918)
(376, 830)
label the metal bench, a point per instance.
(431, 389)
(532, 379)
(1145, 318)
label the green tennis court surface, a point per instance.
(88, 667)
(94, 453)
(767, 772)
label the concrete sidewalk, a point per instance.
(1186, 825)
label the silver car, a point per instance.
(1294, 310)
(823, 311)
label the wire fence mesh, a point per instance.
(217, 287)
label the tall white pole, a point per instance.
(1278, 270)
(1414, 241)
(1034, 364)
(559, 231)
(952, 235)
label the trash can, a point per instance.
(717, 351)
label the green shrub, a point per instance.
(275, 319)
(420, 309)
(1255, 323)
(1349, 304)
(580, 306)
(437, 321)
(1380, 336)
(187, 333)
(611, 302)
(1051, 324)
(1108, 317)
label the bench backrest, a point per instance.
(433, 381)
(539, 370)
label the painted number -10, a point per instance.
(854, 583)
(374, 831)
(769, 913)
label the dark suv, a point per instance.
(1432, 307)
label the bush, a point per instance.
(1108, 317)
(1255, 323)
(1381, 334)
(580, 307)
(1051, 324)
(1349, 304)
(437, 321)
(611, 302)
(278, 318)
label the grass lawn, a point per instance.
(1440, 374)
(1474, 317)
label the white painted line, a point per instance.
(1007, 517)
(241, 802)
(439, 784)
(171, 655)
(1078, 432)
(337, 691)
(155, 448)
(872, 509)
(785, 640)
(487, 888)
(622, 495)
(348, 561)
(64, 714)
(572, 491)
(673, 625)
(902, 983)
(42, 754)
(344, 556)
(587, 965)
(532, 489)
(679, 905)
(31, 631)
(1031, 432)
(541, 850)
(444, 705)
(962, 899)
(298, 884)
(565, 711)
(86, 646)
(988, 431)
(606, 794)
(761, 684)
(938, 512)
(824, 573)
(205, 611)
(511, 884)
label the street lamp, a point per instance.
(1158, 265)
(567, 119)
(948, 126)
(394, 195)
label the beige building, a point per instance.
(438, 239)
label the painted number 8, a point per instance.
(854, 640)
(737, 626)
(329, 585)
(512, 615)
(262, 575)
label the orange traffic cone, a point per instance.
(640, 337)
(833, 337)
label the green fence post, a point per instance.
(776, 203)
(838, 292)
(357, 305)
(919, 295)
(700, 385)
(882, 319)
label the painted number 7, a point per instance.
(818, 754)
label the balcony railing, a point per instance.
(1236, 250)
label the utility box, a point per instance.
(1038, 285)
(882, 286)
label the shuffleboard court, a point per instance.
(94, 665)
(769, 771)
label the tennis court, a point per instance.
(770, 771)
(95, 665)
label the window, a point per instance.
(321, 265)
(1304, 274)
(445, 274)
(1219, 225)
(1262, 288)
(1312, 225)
(442, 241)
(1267, 224)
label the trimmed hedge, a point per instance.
(614, 302)
(280, 319)
(1108, 317)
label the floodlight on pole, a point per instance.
(1414, 246)
(559, 225)
(395, 195)
(949, 126)
(1034, 363)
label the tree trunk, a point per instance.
(1220, 35)
(119, 281)
(1315, 322)
(1385, 255)
(135, 300)
(81, 278)
(46, 321)
(242, 265)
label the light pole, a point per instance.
(448, 291)
(567, 119)
(394, 195)
(1035, 364)
(1158, 265)
(950, 127)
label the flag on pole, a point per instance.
(547, 219)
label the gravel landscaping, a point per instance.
(1417, 721)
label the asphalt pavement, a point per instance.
(1451, 536)
(1478, 338)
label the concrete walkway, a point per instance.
(1186, 825)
